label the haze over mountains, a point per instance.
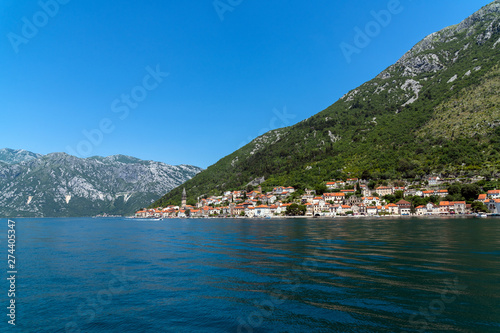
(59, 184)
(435, 111)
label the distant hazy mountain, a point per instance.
(63, 185)
(435, 111)
(12, 156)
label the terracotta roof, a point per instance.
(334, 194)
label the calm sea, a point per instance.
(297, 275)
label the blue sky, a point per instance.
(189, 82)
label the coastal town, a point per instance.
(352, 197)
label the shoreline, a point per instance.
(320, 217)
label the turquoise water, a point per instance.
(298, 275)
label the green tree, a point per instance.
(454, 189)
(470, 191)
(390, 198)
(478, 206)
(296, 210)
(320, 188)
(434, 199)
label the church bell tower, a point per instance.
(184, 198)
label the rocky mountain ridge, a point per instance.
(13, 156)
(59, 184)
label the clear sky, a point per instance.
(189, 82)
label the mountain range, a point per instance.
(436, 111)
(58, 184)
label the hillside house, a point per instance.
(309, 209)
(352, 181)
(404, 207)
(331, 185)
(371, 201)
(493, 205)
(343, 209)
(482, 198)
(392, 209)
(334, 197)
(384, 190)
(434, 181)
(427, 194)
(493, 194)
(371, 210)
(365, 191)
(441, 193)
(459, 207)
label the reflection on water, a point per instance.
(298, 275)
